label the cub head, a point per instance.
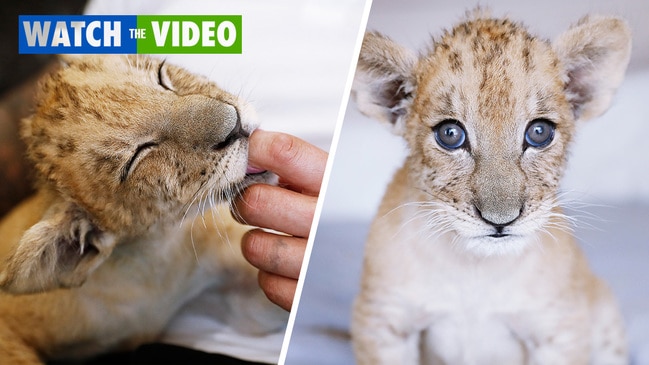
(488, 113)
(124, 143)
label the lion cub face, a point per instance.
(131, 139)
(488, 114)
(125, 145)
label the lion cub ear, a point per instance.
(60, 251)
(384, 80)
(594, 53)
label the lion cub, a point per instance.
(127, 149)
(468, 260)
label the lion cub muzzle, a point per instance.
(205, 123)
(498, 190)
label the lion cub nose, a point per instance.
(499, 217)
(205, 123)
(499, 190)
(236, 133)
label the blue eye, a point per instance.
(539, 133)
(449, 134)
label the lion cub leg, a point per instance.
(609, 339)
(381, 339)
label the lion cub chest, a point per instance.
(460, 308)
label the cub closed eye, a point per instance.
(163, 79)
(450, 134)
(539, 133)
(131, 162)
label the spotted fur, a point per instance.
(127, 150)
(469, 259)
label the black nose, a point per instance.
(499, 226)
(236, 133)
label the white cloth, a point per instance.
(293, 70)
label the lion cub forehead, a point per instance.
(488, 40)
(489, 70)
(97, 70)
(90, 63)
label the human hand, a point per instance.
(287, 208)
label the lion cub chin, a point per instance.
(127, 151)
(469, 259)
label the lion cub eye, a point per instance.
(449, 134)
(139, 152)
(539, 133)
(163, 78)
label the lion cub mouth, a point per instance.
(255, 175)
(251, 170)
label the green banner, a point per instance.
(188, 34)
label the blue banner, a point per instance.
(71, 34)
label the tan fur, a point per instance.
(127, 151)
(468, 260)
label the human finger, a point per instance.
(279, 289)
(299, 165)
(274, 253)
(276, 208)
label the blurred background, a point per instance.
(608, 175)
(18, 74)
